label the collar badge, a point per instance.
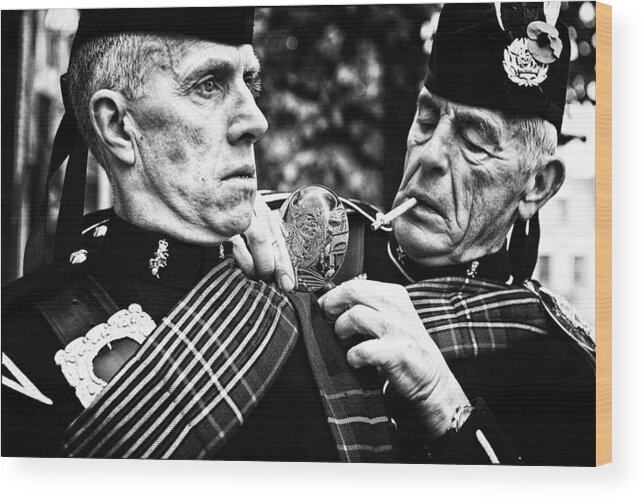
(472, 271)
(400, 255)
(160, 258)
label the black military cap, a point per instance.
(229, 25)
(510, 57)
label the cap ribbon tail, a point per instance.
(523, 249)
(72, 205)
(37, 251)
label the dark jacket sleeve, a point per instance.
(542, 398)
(534, 405)
(479, 441)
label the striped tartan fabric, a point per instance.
(208, 364)
(471, 318)
(352, 399)
(195, 378)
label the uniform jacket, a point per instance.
(536, 377)
(526, 413)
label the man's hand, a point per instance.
(265, 255)
(398, 345)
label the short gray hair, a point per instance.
(537, 137)
(115, 62)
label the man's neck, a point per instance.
(494, 266)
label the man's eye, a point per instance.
(426, 126)
(207, 87)
(254, 84)
(473, 147)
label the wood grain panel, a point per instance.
(604, 233)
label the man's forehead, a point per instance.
(426, 99)
(199, 52)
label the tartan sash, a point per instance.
(208, 364)
(471, 318)
(352, 399)
(196, 377)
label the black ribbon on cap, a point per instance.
(523, 249)
(68, 144)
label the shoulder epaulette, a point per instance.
(49, 278)
(567, 318)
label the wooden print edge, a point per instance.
(603, 233)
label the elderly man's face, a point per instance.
(462, 165)
(198, 121)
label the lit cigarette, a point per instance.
(385, 219)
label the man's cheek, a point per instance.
(466, 189)
(175, 152)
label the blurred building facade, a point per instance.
(41, 59)
(567, 257)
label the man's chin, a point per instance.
(234, 224)
(420, 243)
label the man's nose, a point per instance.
(434, 154)
(248, 122)
(431, 157)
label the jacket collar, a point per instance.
(495, 267)
(155, 257)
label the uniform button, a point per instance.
(78, 257)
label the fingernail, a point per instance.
(286, 283)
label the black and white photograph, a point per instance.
(314, 233)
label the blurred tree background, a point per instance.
(340, 84)
(339, 93)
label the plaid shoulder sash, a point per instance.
(208, 364)
(352, 399)
(196, 377)
(470, 318)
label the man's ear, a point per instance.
(541, 187)
(113, 126)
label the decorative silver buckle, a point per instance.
(77, 359)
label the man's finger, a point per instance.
(376, 352)
(284, 273)
(243, 257)
(360, 319)
(260, 240)
(380, 296)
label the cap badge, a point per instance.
(160, 258)
(526, 60)
(520, 65)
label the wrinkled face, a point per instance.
(462, 165)
(198, 121)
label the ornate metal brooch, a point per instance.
(77, 359)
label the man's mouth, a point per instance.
(425, 203)
(245, 172)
